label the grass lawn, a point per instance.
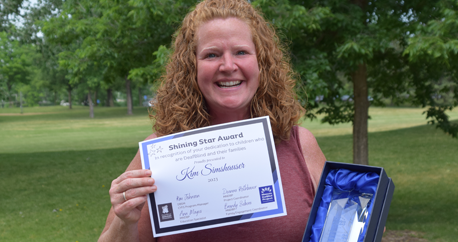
(56, 166)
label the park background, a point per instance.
(378, 80)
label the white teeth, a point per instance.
(229, 84)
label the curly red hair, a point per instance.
(180, 104)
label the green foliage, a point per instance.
(104, 41)
(437, 42)
(15, 62)
(33, 92)
(9, 9)
(66, 32)
(410, 50)
(165, 16)
(438, 39)
(152, 72)
(438, 116)
(116, 37)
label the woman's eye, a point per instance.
(241, 52)
(211, 56)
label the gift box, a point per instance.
(373, 183)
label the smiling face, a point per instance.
(227, 68)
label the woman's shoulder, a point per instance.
(136, 162)
(304, 134)
(309, 144)
(151, 136)
(313, 156)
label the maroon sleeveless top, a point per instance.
(298, 192)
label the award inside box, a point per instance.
(346, 217)
(351, 204)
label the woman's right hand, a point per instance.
(128, 194)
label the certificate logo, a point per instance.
(153, 150)
(166, 212)
(267, 194)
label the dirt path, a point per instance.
(403, 236)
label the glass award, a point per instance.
(346, 216)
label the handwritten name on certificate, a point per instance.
(213, 176)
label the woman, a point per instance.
(227, 66)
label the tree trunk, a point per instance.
(110, 98)
(140, 99)
(129, 97)
(360, 140)
(69, 90)
(91, 105)
(10, 102)
(95, 98)
(20, 100)
(9, 95)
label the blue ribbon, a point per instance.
(344, 180)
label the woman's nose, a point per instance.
(227, 63)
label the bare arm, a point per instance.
(314, 157)
(128, 220)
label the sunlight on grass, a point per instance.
(382, 119)
(74, 130)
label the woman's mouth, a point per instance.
(229, 84)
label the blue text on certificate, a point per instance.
(207, 170)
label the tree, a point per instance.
(63, 39)
(116, 36)
(437, 42)
(358, 42)
(83, 72)
(24, 23)
(9, 9)
(14, 62)
(48, 62)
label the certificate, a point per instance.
(213, 176)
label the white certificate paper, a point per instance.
(213, 176)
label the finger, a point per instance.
(132, 174)
(138, 192)
(127, 208)
(116, 191)
(132, 183)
